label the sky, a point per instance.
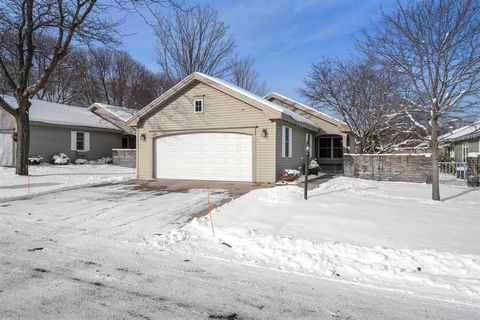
(283, 36)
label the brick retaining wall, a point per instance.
(124, 157)
(389, 167)
(473, 171)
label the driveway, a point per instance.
(82, 254)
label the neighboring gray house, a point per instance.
(207, 129)
(57, 128)
(462, 141)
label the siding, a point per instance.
(298, 148)
(7, 121)
(473, 143)
(221, 113)
(49, 140)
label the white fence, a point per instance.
(453, 172)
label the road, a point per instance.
(81, 254)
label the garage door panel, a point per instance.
(205, 156)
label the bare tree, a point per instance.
(436, 45)
(244, 75)
(193, 40)
(22, 24)
(115, 78)
(367, 99)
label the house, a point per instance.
(331, 141)
(204, 128)
(459, 142)
(57, 128)
(117, 116)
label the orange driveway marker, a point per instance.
(210, 213)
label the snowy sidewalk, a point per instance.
(373, 233)
(51, 178)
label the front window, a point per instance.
(465, 151)
(80, 141)
(198, 105)
(286, 142)
(330, 147)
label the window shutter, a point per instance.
(87, 141)
(290, 142)
(283, 140)
(73, 140)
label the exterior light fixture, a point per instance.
(264, 133)
(143, 137)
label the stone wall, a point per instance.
(124, 157)
(473, 171)
(389, 167)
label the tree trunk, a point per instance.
(23, 138)
(435, 169)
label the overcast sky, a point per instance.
(283, 36)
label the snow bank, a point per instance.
(50, 178)
(374, 233)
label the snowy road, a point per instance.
(81, 254)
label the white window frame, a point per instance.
(86, 141)
(309, 140)
(331, 157)
(465, 151)
(195, 105)
(287, 145)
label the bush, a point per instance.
(81, 161)
(313, 168)
(35, 160)
(60, 159)
(290, 175)
(446, 157)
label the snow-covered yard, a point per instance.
(87, 254)
(48, 178)
(383, 234)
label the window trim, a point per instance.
(86, 141)
(331, 147)
(287, 151)
(310, 144)
(195, 106)
(465, 151)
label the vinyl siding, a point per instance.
(298, 148)
(50, 140)
(474, 146)
(222, 113)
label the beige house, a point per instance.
(331, 141)
(207, 129)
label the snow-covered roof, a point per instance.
(123, 113)
(62, 114)
(241, 92)
(313, 110)
(463, 132)
(261, 100)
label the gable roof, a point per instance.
(273, 110)
(462, 133)
(307, 109)
(62, 114)
(118, 116)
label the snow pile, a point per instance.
(49, 178)
(375, 233)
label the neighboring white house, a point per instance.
(462, 141)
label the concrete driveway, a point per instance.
(83, 254)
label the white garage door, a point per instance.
(205, 156)
(6, 149)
